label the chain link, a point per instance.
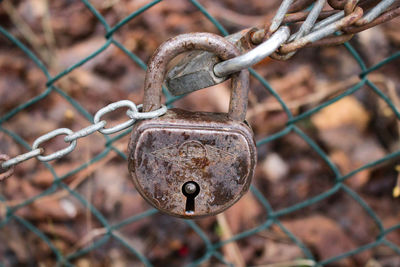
(21, 158)
(134, 113)
(85, 131)
(5, 173)
(58, 154)
(375, 12)
(318, 25)
(146, 115)
(112, 107)
(254, 56)
(345, 23)
(319, 28)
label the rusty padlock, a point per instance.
(192, 164)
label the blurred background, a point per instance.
(83, 209)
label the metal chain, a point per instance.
(134, 113)
(346, 19)
(254, 56)
(318, 28)
(351, 19)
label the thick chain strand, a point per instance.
(351, 19)
(133, 113)
(318, 28)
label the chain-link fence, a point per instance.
(212, 249)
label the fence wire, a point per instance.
(273, 216)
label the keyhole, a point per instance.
(190, 190)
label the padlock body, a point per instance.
(209, 149)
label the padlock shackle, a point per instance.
(157, 69)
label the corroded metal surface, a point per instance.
(208, 149)
(315, 36)
(192, 164)
(194, 41)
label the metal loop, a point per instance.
(322, 32)
(112, 107)
(21, 158)
(5, 172)
(85, 131)
(146, 115)
(312, 17)
(278, 18)
(48, 136)
(254, 56)
(307, 25)
(374, 12)
(325, 22)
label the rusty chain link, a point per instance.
(318, 28)
(134, 113)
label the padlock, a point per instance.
(192, 164)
